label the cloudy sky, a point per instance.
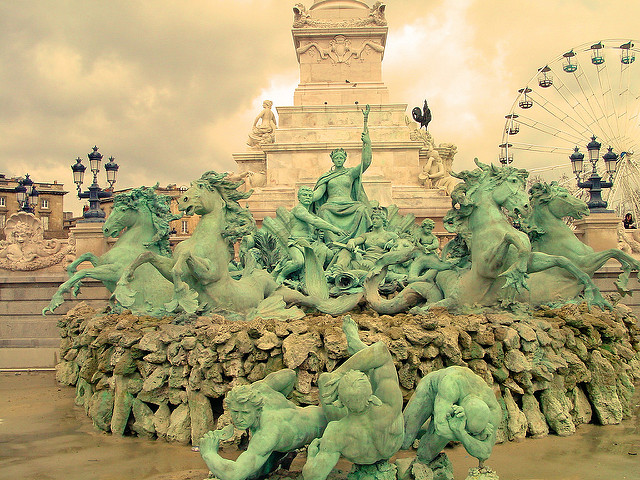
(170, 88)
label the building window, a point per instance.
(185, 226)
(45, 223)
(3, 217)
(45, 203)
(3, 201)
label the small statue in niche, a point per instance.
(264, 132)
(436, 174)
(251, 179)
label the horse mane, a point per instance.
(542, 192)
(239, 221)
(463, 196)
(159, 206)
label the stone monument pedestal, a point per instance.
(89, 238)
(598, 230)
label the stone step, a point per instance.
(30, 342)
(31, 307)
(29, 326)
(32, 357)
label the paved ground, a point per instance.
(44, 436)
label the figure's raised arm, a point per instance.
(281, 381)
(247, 464)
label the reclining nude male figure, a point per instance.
(276, 426)
(362, 398)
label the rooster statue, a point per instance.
(423, 117)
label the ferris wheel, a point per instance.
(592, 89)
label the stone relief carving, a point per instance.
(302, 18)
(340, 50)
(25, 248)
(264, 127)
(251, 179)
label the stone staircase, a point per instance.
(27, 339)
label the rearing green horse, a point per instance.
(549, 233)
(199, 268)
(140, 220)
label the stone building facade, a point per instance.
(49, 209)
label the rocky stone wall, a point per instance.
(551, 370)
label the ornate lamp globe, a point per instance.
(610, 161)
(21, 193)
(94, 160)
(577, 161)
(112, 169)
(593, 147)
(33, 197)
(28, 184)
(78, 172)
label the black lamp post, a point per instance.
(94, 193)
(27, 195)
(595, 184)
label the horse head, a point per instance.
(505, 186)
(212, 193)
(558, 201)
(148, 212)
(124, 215)
(203, 196)
(510, 193)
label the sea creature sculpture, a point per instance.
(501, 256)
(140, 220)
(550, 234)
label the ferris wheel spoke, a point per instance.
(599, 117)
(539, 148)
(608, 103)
(563, 117)
(551, 130)
(576, 110)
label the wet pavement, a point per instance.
(44, 436)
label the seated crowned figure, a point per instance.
(338, 196)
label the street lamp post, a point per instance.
(27, 195)
(595, 183)
(94, 192)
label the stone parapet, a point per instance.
(551, 370)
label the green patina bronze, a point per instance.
(140, 220)
(461, 407)
(276, 425)
(199, 267)
(550, 234)
(501, 257)
(363, 401)
(338, 196)
(335, 249)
